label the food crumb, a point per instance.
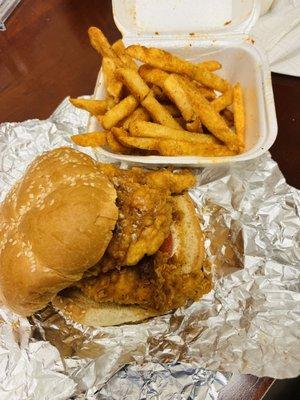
(227, 22)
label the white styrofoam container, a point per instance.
(197, 31)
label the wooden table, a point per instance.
(45, 56)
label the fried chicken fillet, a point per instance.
(158, 282)
(144, 201)
(154, 261)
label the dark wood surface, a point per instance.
(45, 56)
(245, 387)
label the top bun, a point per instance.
(54, 225)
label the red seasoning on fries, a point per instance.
(167, 106)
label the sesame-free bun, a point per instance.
(188, 247)
(54, 225)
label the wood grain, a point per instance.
(45, 56)
(286, 149)
(245, 387)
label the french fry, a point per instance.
(157, 77)
(171, 147)
(140, 114)
(211, 118)
(94, 107)
(119, 48)
(118, 112)
(122, 136)
(181, 121)
(92, 139)
(173, 110)
(114, 144)
(159, 113)
(118, 132)
(209, 94)
(153, 75)
(101, 44)
(210, 65)
(222, 101)
(161, 59)
(187, 103)
(110, 101)
(194, 126)
(239, 114)
(209, 79)
(134, 83)
(228, 117)
(178, 95)
(152, 130)
(113, 84)
(169, 84)
(159, 94)
(139, 143)
(115, 53)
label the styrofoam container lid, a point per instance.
(183, 17)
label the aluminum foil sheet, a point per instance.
(249, 323)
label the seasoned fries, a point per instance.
(119, 49)
(134, 83)
(209, 94)
(211, 119)
(173, 110)
(210, 65)
(179, 96)
(239, 114)
(92, 139)
(167, 106)
(119, 112)
(113, 84)
(113, 142)
(153, 75)
(223, 101)
(140, 114)
(194, 126)
(228, 117)
(159, 113)
(170, 147)
(94, 107)
(152, 130)
(101, 44)
(167, 62)
(159, 94)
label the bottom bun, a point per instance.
(188, 247)
(79, 308)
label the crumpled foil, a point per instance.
(249, 323)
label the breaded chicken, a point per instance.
(131, 285)
(164, 281)
(145, 213)
(157, 284)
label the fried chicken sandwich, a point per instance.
(105, 245)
